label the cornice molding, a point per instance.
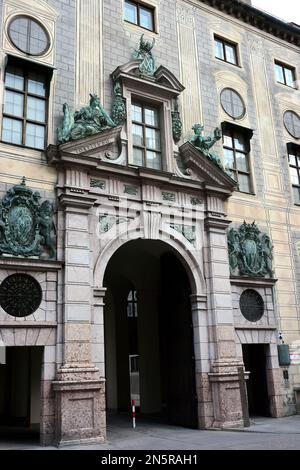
(257, 18)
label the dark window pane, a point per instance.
(232, 103)
(138, 157)
(137, 133)
(36, 109)
(14, 78)
(151, 117)
(152, 139)
(227, 140)
(229, 158)
(12, 131)
(137, 113)
(14, 103)
(289, 77)
(244, 183)
(279, 73)
(241, 162)
(36, 84)
(230, 54)
(131, 12)
(292, 124)
(130, 310)
(146, 18)
(239, 143)
(35, 136)
(296, 192)
(18, 31)
(292, 160)
(294, 176)
(153, 160)
(219, 50)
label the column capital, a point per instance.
(77, 200)
(218, 224)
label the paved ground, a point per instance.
(264, 434)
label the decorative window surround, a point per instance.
(160, 91)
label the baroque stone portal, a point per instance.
(250, 252)
(26, 226)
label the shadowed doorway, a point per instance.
(20, 392)
(255, 360)
(149, 334)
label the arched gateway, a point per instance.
(130, 235)
(148, 332)
(147, 294)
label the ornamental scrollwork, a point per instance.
(176, 123)
(119, 113)
(250, 252)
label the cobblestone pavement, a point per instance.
(264, 434)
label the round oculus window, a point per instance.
(252, 305)
(20, 295)
(232, 103)
(292, 124)
(28, 35)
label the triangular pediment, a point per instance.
(162, 76)
(89, 151)
(206, 171)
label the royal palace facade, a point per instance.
(149, 215)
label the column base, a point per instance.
(227, 404)
(80, 406)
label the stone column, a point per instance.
(202, 360)
(78, 387)
(223, 376)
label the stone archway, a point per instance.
(148, 329)
(188, 259)
(196, 299)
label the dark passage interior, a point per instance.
(149, 334)
(255, 361)
(20, 382)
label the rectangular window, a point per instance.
(146, 136)
(226, 51)
(285, 75)
(294, 163)
(139, 14)
(25, 107)
(236, 152)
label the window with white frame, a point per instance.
(146, 136)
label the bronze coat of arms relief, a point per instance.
(27, 228)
